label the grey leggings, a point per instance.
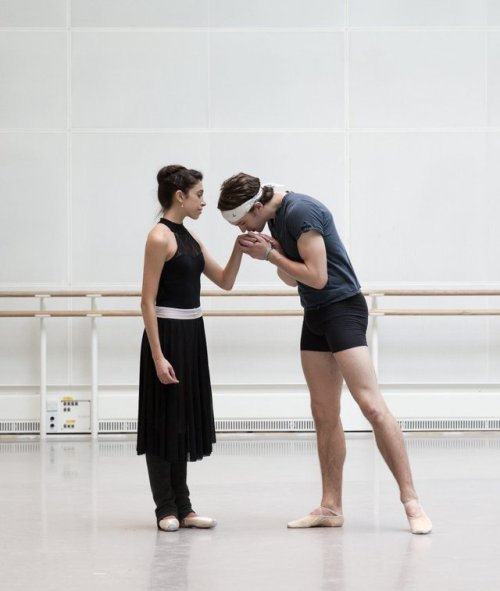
(169, 487)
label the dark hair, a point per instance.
(174, 178)
(240, 188)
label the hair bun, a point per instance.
(167, 171)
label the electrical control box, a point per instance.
(68, 415)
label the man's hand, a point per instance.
(273, 242)
(254, 245)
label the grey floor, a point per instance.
(78, 515)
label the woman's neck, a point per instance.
(175, 215)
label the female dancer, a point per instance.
(176, 420)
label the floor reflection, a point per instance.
(169, 568)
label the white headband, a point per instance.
(234, 215)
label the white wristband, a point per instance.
(268, 251)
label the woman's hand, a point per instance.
(165, 371)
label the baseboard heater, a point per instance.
(271, 425)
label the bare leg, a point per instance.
(357, 368)
(324, 381)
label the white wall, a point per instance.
(388, 111)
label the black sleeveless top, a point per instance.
(179, 285)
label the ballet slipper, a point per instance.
(420, 523)
(326, 518)
(168, 524)
(198, 522)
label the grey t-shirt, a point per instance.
(301, 213)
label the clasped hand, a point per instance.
(256, 245)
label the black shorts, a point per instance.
(335, 327)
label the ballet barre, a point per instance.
(237, 312)
(93, 313)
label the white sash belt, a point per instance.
(178, 313)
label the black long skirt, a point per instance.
(176, 421)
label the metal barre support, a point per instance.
(43, 370)
(94, 399)
(374, 334)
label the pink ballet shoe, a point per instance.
(420, 523)
(326, 518)
(198, 522)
